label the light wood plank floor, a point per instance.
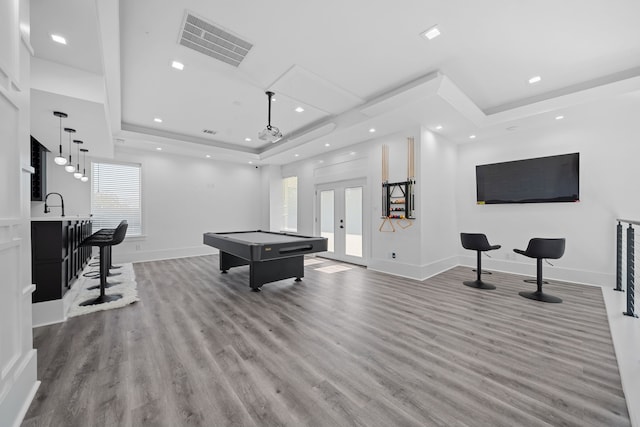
(350, 348)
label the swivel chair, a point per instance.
(542, 249)
(479, 243)
(105, 242)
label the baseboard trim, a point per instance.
(582, 277)
(161, 254)
(409, 271)
(27, 403)
(412, 271)
(47, 313)
(437, 267)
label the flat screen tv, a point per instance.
(539, 180)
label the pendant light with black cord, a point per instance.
(59, 159)
(270, 133)
(69, 167)
(84, 178)
(77, 174)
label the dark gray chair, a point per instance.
(542, 249)
(105, 241)
(479, 243)
(94, 274)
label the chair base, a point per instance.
(94, 274)
(539, 296)
(479, 284)
(482, 271)
(544, 282)
(102, 299)
(106, 286)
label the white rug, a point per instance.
(127, 287)
(312, 261)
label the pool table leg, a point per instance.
(228, 261)
(268, 271)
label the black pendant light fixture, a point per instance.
(84, 177)
(59, 159)
(77, 174)
(69, 167)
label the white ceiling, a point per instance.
(351, 65)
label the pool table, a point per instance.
(270, 256)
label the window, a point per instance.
(290, 204)
(116, 196)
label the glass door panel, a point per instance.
(340, 218)
(353, 221)
(327, 217)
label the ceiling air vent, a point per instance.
(213, 41)
(209, 131)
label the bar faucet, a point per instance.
(47, 207)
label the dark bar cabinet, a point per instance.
(57, 259)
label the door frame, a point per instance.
(366, 217)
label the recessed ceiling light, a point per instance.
(159, 148)
(327, 145)
(534, 79)
(372, 130)
(431, 33)
(58, 39)
(320, 161)
(248, 139)
(208, 156)
(250, 163)
(299, 109)
(472, 137)
(296, 155)
(177, 65)
(273, 100)
(559, 117)
(352, 153)
(157, 120)
(439, 127)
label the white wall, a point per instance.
(440, 241)
(405, 243)
(18, 383)
(271, 188)
(423, 249)
(182, 198)
(609, 154)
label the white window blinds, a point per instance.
(116, 196)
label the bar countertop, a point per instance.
(61, 218)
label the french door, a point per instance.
(340, 218)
